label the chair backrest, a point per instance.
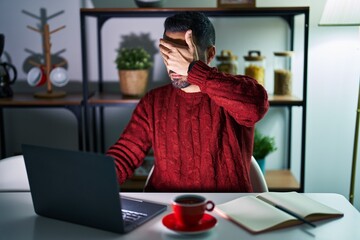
(256, 176)
(13, 175)
(148, 177)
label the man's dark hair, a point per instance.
(202, 29)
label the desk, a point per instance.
(19, 221)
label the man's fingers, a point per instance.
(164, 55)
(177, 57)
(163, 48)
(190, 42)
(165, 52)
(168, 45)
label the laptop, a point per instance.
(82, 188)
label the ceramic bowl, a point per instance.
(149, 3)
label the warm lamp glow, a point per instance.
(341, 13)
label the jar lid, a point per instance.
(284, 54)
(251, 57)
(226, 55)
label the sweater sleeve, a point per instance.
(131, 148)
(241, 96)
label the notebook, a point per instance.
(81, 187)
(275, 210)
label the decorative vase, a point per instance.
(261, 163)
(133, 83)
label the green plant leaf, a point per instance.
(133, 59)
(263, 145)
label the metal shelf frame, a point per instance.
(103, 14)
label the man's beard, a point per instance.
(179, 83)
(178, 80)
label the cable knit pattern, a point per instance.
(202, 141)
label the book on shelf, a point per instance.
(274, 210)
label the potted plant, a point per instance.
(263, 146)
(133, 65)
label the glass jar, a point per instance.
(227, 62)
(282, 73)
(255, 66)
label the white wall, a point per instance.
(333, 79)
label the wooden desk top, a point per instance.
(28, 99)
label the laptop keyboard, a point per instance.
(130, 216)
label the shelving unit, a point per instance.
(281, 180)
(71, 102)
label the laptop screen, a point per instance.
(78, 187)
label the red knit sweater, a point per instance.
(202, 141)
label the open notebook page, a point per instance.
(254, 214)
(298, 203)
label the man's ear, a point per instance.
(211, 51)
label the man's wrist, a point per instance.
(191, 65)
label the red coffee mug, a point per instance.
(189, 209)
(36, 76)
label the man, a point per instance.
(201, 127)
